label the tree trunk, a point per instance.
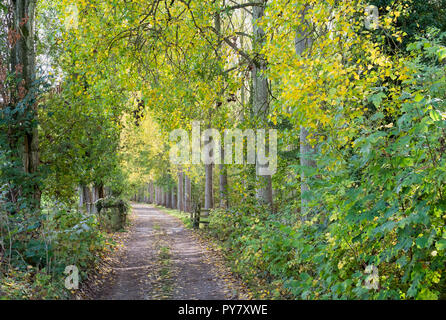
(151, 197)
(187, 194)
(180, 194)
(261, 101)
(174, 199)
(101, 191)
(223, 181)
(303, 41)
(208, 189)
(95, 197)
(23, 63)
(81, 196)
(306, 151)
(169, 198)
(87, 198)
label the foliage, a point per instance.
(421, 15)
(124, 74)
(388, 208)
(381, 204)
(35, 252)
(261, 246)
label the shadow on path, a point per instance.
(161, 260)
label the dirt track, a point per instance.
(162, 259)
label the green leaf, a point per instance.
(434, 115)
(376, 99)
(377, 116)
(441, 245)
(422, 242)
(418, 97)
(441, 54)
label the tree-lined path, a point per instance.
(162, 259)
(309, 134)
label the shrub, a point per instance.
(37, 251)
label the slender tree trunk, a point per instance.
(242, 89)
(261, 100)
(151, 195)
(187, 194)
(180, 197)
(208, 190)
(174, 198)
(169, 198)
(303, 41)
(81, 196)
(224, 203)
(208, 187)
(209, 180)
(95, 193)
(147, 193)
(107, 191)
(87, 196)
(95, 197)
